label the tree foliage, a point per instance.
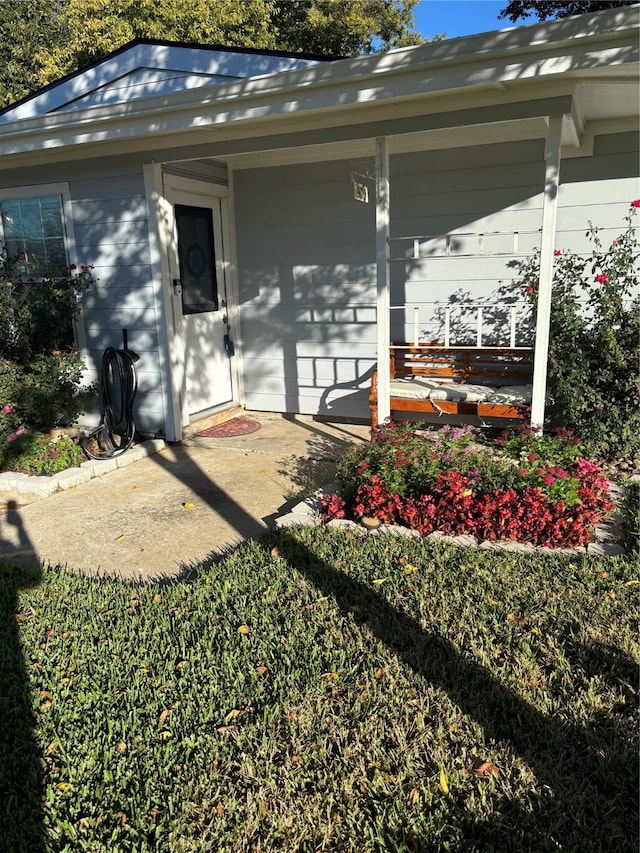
(544, 9)
(27, 28)
(42, 40)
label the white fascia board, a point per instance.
(186, 133)
(497, 60)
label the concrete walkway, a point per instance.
(173, 507)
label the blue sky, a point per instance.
(460, 17)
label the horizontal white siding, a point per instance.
(460, 219)
(600, 190)
(111, 231)
(306, 257)
(109, 224)
(306, 263)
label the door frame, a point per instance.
(160, 184)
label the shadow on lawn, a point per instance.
(586, 775)
(20, 759)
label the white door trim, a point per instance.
(171, 356)
(162, 244)
(178, 189)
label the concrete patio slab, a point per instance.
(175, 507)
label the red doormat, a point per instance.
(230, 428)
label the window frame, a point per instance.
(20, 193)
(17, 193)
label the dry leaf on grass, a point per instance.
(227, 730)
(444, 784)
(485, 770)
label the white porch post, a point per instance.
(547, 246)
(383, 276)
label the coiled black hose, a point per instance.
(119, 381)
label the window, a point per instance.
(197, 259)
(33, 230)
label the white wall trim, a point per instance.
(34, 191)
(233, 289)
(157, 228)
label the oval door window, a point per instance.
(196, 262)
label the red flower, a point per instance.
(601, 278)
(73, 267)
(556, 253)
(332, 506)
(635, 203)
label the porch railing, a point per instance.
(466, 244)
(514, 312)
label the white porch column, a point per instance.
(547, 246)
(383, 276)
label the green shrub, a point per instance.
(41, 378)
(10, 426)
(38, 453)
(632, 517)
(594, 347)
(37, 313)
(51, 393)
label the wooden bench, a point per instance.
(487, 382)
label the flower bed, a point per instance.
(527, 487)
(32, 452)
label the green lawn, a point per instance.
(324, 691)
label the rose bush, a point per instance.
(529, 487)
(41, 371)
(594, 346)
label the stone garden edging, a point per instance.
(43, 486)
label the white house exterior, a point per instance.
(472, 151)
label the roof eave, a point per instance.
(556, 50)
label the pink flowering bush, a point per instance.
(529, 487)
(594, 347)
(34, 452)
(10, 427)
(39, 453)
(42, 371)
